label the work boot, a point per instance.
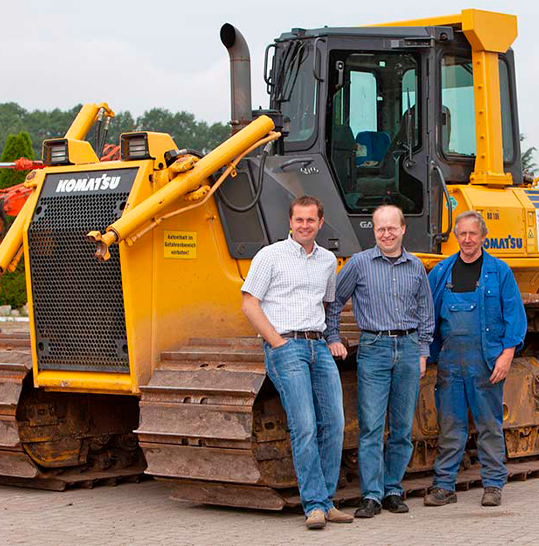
(439, 497)
(492, 496)
(395, 504)
(316, 519)
(336, 516)
(368, 509)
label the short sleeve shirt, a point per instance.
(292, 285)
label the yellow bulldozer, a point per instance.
(139, 358)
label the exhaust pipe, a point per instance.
(240, 76)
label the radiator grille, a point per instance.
(78, 302)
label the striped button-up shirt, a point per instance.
(292, 285)
(385, 296)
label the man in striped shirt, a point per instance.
(393, 308)
(283, 299)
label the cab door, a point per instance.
(378, 133)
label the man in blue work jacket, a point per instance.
(480, 323)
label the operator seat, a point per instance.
(372, 147)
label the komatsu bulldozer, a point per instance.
(139, 353)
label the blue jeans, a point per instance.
(387, 384)
(307, 379)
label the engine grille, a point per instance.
(78, 302)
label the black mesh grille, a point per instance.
(78, 302)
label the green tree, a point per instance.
(186, 131)
(13, 286)
(16, 146)
(12, 121)
(528, 163)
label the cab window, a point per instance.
(374, 127)
(458, 109)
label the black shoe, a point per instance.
(395, 504)
(368, 509)
(439, 497)
(492, 496)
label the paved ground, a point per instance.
(142, 515)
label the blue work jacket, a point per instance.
(502, 314)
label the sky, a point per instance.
(140, 54)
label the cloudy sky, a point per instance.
(140, 54)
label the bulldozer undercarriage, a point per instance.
(52, 440)
(212, 426)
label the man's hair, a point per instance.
(476, 216)
(394, 207)
(306, 201)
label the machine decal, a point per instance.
(180, 245)
(504, 243)
(492, 214)
(89, 182)
(309, 170)
(104, 182)
(533, 196)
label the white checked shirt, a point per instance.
(292, 285)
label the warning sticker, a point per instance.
(181, 245)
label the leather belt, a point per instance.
(311, 334)
(391, 333)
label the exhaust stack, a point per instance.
(240, 76)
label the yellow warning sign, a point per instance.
(181, 245)
(530, 234)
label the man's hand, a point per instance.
(252, 310)
(422, 366)
(282, 342)
(337, 349)
(502, 366)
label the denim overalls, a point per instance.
(463, 382)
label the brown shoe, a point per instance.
(336, 516)
(492, 496)
(439, 497)
(316, 519)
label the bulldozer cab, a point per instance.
(393, 113)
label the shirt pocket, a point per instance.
(462, 307)
(462, 318)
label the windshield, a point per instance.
(374, 127)
(295, 89)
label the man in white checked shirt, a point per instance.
(283, 298)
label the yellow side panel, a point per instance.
(503, 214)
(510, 216)
(197, 291)
(137, 280)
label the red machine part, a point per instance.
(12, 199)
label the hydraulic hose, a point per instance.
(258, 191)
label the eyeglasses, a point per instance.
(390, 230)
